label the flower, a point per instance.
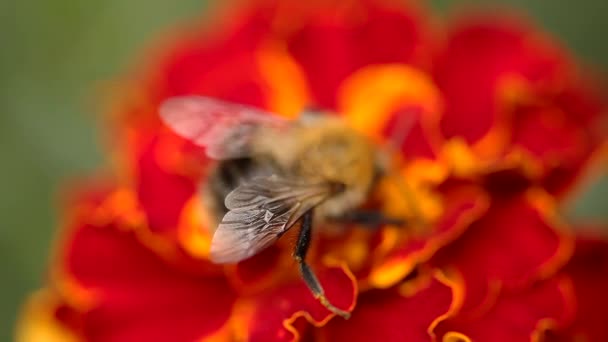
(503, 125)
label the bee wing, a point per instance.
(260, 211)
(224, 129)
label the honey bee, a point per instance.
(273, 173)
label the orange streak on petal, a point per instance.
(192, 234)
(453, 336)
(287, 87)
(389, 273)
(542, 326)
(395, 267)
(123, 203)
(75, 294)
(528, 164)
(511, 90)
(425, 170)
(455, 282)
(464, 161)
(390, 238)
(461, 159)
(547, 324)
(423, 174)
(545, 204)
(225, 333)
(37, 323)
(371, 94)
(288, 323)
(410, 288)
(240, 319)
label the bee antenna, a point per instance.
(402, 129)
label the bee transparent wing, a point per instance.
(225, 129)
(260, 211)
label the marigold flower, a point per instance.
(503, 124)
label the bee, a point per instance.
(273, 174)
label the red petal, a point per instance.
(262, 271)
(514, 316)
(515, 243)
(161, 191)
(275, 312)
(463, 206)
(392, 315)
(220, 62)
(336, 41)
(588, 271)
(479, 52)
(137, 296)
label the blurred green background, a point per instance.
(55, 56)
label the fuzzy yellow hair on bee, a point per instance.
(272, 173)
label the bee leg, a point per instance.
(308, 275)
(372, 219)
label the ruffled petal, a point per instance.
(518, 241)
(512, 94)
(588, 272)
(334, 41)
(395, 104)
(463, 206)
(134, 294)
(479, 53)
(514, 317)
(277, 315)
(397, 314)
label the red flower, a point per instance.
(502, 125)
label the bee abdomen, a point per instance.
(226, 177)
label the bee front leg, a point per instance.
(308, 275)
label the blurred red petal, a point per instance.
(336, 41)
(463, 206)
(136, 295)
(478, 53)
(514, 316)
(588, 271)
(396, 105)
(274, 312)
(517, 242)
(217, 63)
(162, 192)
(393, 315)
(264, 270)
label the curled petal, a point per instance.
(522, 223)
(512, 94)
(588, 272)
(394, 103)
(514, 316)
(463, 206)
(397, 314)
(274, 315)
(479, 52)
